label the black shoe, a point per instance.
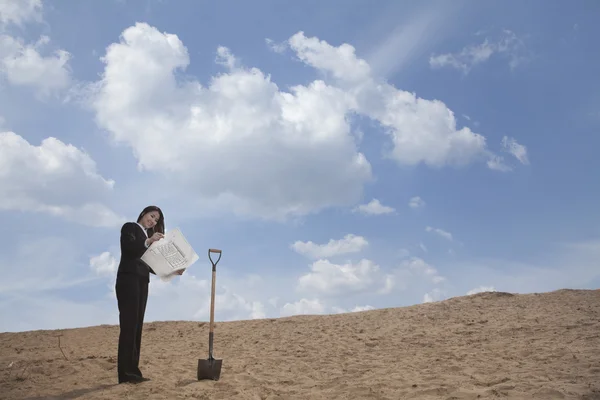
(131, 378)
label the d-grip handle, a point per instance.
(214, 263)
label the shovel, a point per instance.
(211, 368)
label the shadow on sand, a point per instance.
(73, 394)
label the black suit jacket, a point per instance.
(132, 249)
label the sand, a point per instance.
(485, 346)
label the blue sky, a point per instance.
(344, 155)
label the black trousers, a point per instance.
(132, 294)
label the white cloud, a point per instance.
(422, 131)
(226, 59)
(517, 150)
(362, 308)
(276, 47)
(497, 163)
(340, 61)
(37, 273)
(374, 207)
(481, 289)
(436, 294)
(440, 232)
(23, 65)
(104, 264)
(235, 307)
(421, 267)
(332, 279)
(19, 12)
(509, 45)
(53, 178)
(34, 270)
(187, 297)
(257, 310)
(302, 307)
(278, 153)
(511, 146)
(416, 202)
(349, 244)
(340, 310)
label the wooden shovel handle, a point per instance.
(214, 263)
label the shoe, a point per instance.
(131, 378)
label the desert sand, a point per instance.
(484, 346)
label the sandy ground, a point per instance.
(486, 346)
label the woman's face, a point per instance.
(150, 219)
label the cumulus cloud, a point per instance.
(419, 266)
(24, 65)
(422, 131)
(270, 153)
(53, 178)
(481, 289)
(349, 244)
(507, 45)
(416, 202)
(31, 65)
(20, 12)
(188, 298)
(498, 163)
(303, 307)
(331, 279)
(436, 294)
(234, 306)
(340, 61)
(374, 207)
(104, 264)
(340, 310)
(363, 308)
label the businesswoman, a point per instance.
(131, 286)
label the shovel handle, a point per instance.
(214, 263)
(212, 300)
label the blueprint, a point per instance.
(170, 255)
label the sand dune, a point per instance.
(485, 346)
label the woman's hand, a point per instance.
(156, 237)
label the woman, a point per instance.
(133, 276)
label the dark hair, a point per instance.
(160, 224)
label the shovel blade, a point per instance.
(209, 369)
